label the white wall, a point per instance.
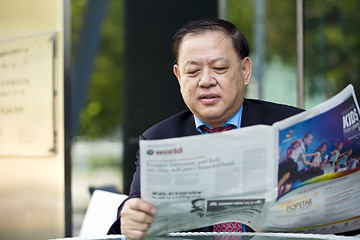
(32, 204)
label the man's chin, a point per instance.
(213, 119)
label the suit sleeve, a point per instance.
(134, 193)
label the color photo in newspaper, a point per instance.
(319, 163)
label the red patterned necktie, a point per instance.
(205, 129)
(226, 226)
(229, 227)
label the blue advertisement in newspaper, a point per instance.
(321, 148)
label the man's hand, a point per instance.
(136, 217)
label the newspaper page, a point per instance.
(318, 174)
(299, 175)
(205, 179)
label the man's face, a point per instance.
(340, 146)
(308, 140)
(212, 76)
(323, 149)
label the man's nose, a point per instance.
(207, 78)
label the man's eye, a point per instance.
(220, 69)
(192, 73)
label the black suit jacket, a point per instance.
(183, 124)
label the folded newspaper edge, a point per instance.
(187, 178)
(235, 236)
(283, 236)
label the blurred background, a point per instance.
(331, 47)
(122, 81)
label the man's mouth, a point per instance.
(209, 98)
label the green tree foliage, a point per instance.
(332, 45)
(102, 114)
(241, 14)
(331, 39)
(279, 26)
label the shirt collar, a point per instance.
(235, 120)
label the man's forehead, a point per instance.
(220, 35)
(205, 32)
(210, 61)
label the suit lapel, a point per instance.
(250, 115)
(189, 127)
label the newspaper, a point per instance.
(299, 175)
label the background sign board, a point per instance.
(27, 96)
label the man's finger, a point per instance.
(134, 234)
(141, 205)
(133, 225)
(136, 216)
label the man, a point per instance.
(213, 68)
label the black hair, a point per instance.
(239, 40)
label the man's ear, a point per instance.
(246, 68)
(177, 72)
